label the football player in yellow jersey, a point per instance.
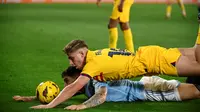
(113, 64)
(120, 15)
(169, 8)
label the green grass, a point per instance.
(32, 37)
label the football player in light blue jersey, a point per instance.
(147, 89)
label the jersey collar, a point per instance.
(90, 55)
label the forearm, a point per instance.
(97, 99)
(24, 98)
(69, 91)
(32, 97)
(122, 2)
(64, 95)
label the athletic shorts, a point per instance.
(172, 95)
(159, 60)
(124, 15)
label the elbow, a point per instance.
(103, 99)
(104, 94)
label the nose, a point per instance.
(71, 63)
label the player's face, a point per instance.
(68, 80)
(77, 59)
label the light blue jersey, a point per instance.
(119, 90)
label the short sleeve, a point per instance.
(98, 85)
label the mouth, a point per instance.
(77, 67)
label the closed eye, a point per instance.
(71, 58)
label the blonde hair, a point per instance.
(74, 45)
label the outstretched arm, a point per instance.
(98, 98)
(66, 93)
(24, 98)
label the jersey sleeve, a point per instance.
(97, 85)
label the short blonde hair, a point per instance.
(74, 45)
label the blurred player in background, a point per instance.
(120, 15)
(169, 8)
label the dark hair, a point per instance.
(74, 45)
(71, 71)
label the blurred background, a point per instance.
(85, 1)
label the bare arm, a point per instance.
(98, 98)
(24, 98)
(66, 93)
(120, 6)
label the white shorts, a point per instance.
(172, 95)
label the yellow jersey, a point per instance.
(115, 64)
(112, 64)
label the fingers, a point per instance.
(17, 98)
(71, 107)
(22, 98)
(75, 107)
(34, 107)
(39, 107)
(80, 108)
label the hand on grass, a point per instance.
(76, 107)
(40, 107)
(23, 98)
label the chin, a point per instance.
(78, 68)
